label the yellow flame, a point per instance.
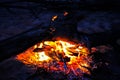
(57, 51)
(43, 57)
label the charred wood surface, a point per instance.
(17, 44)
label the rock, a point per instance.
(96, 22)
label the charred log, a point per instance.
(21, 42)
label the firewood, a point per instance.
(21, 42)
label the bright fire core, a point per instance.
(58, 55)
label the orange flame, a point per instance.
(54, 17)
(68, 55)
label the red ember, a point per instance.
(58, 55)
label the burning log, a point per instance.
(38, 50)
(21, 42)
(55, 56)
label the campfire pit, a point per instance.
(57, 58)
(63, 54)
(58, 55)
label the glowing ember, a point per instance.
(54, 17)
(58, 55)
(65, 13)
